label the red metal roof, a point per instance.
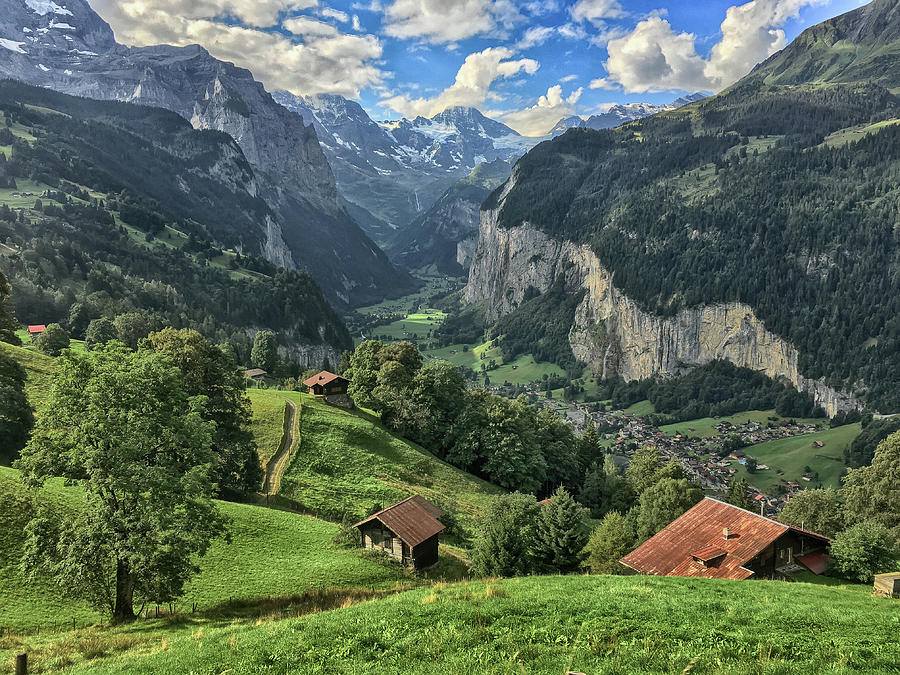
(814, 562)
(37, 328)
(669, 552)
(322, 378)
(414, 520)
(709, 553)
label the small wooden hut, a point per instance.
(887, 584)
(407, 531)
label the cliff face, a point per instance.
(611, 333)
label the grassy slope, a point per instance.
(544, 625)
(347, 462)
(268, 422)
(271, 553)
(40, 371)
(705, 427)
(792, 454)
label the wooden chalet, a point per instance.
(255, 374)
(327, 384)
(407, 531)
(719, 541)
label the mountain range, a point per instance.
(619, 114)
(754, 226)
(69, 48)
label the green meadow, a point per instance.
(587, 624)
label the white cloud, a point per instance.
(535, 36)
(443, 21)
(541, 7)
(573, 31)
(568, 78)
(324, 61)
(357, 26)
(596, 10)
(653, 57)
(262, 13)
(472, 84)
(549, 109)
(331, 13)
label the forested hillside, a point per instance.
(110, 208)
(780, 193)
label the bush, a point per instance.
(53, 340)
(864, 550)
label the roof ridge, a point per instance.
(771, 520)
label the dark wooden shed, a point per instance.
(407, 531)
(327, 384)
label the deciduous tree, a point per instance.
(264, 353)
(121, 425)
(16, 419)
(608, 543)
(53, 340)
(817, 510)
(864, 550)
(99, 332)
(663, 503)
(873, 492)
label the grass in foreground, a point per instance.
(347, 463)
(537, 625)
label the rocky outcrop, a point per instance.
(611, 333)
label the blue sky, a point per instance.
(527, 63)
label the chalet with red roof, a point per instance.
(327, 384)
(36, 330)
(719, 541)
(407, 531)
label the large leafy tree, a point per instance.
(53, 340)
(505, 536)
(438, 390)
(121, 424)
(561, 533)
(646, 469)
(818, 510)
(99, 332)
(873, 492)
(663, 503)
(208, 372)
(608, 544)
(864, 550)
(8, 323)
(264, 353)
(16, 419)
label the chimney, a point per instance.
(726, 532)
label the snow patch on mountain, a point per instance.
(44, 7)
(12, 46)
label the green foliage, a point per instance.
(737, 495)
(873, 492)
(664, 502)
(505, 536)
(348, 536)
(208, 372)
(864, 550)
(646, 469)
(121, 424)
(99, 332)
(16, 418)
(265, 351)
(561, 533)
(8, 323)
(609, 542)
(132, 327)
(53, 340)
(819, 511)
(862, 449)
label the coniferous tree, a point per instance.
(561, 534)
(16, 418)
(264, 354)
(737, 495)
(8, 323)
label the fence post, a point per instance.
(22, 664)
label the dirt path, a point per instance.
(276, 466)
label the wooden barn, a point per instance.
(327, 384)
(407, 531)
(255, 374)
(719, 541)
(35, 330)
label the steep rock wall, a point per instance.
(611, 333)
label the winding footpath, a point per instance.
(276, 466)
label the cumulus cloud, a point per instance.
(320, 59)
(549, 109)
(654, 57)
(331, 13)
(446, 21)
(596, 11)
(472, 85)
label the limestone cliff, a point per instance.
(611, 333)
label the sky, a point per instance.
(526, 63)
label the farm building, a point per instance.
(255, 374)
(36, 330)
(407, 531)
(720, 541)
(887, 584)
(327, 384)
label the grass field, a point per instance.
(268, 422)
(706, 426)
(588, 624)
(416, 326)
(641, 408)
(271, 552)
(347, 463)
(791, 455)
(40, 370)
